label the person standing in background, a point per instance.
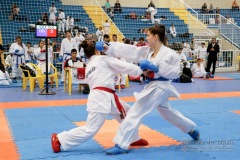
(213, 51)
(153, 12)
(52, 11)
(67, 45)
(100, 34)
(19, 51)
(30, 53)
(61, 19)
(202, 52)
(106, 27)
(70, 23)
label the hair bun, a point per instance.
(84, 44)
(163, 27)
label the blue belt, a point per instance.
(156, 79)
(159, 79)
(18, 55)
(68, 54)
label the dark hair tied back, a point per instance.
(163, 27)
(84, 44)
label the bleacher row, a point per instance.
(233, 13)
(231, 32)
(33, 10)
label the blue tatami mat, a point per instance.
(32, 128)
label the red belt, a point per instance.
(42, 60)
(119, 106)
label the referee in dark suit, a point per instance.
(213, 51)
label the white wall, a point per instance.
(159, 3)
(224, 4)
(124, 3)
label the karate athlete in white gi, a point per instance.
(67, 45)
(30, 56)
(153, 12)
(198, 69)
(102, 101)
(202, 52)
(19, 52)
(100, 34)
(40, 54)
(61, 19)
(52, 11)
(106, 27)
(164, 63)
(4, 76)
(69, 23)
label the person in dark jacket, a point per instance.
(213, 51)
(117, 7)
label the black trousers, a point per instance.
(209, 64)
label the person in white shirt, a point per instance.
(114, 38)
(8, 60)
(40, 54)
(187, 50)
(182, 58)
(30, 56)
(229, 19)
(70, 23)
(106, 27)
(52, 11)
(198, 69)
(61, 19)
(173, 31)
(4, 76)
(50, 51)
(102, 100)
(74, 63)
(153, 12)
(100, 34)
(79, 37)
(187, 45)
(19, 52)
(181, 55)
(121, 78)
(202, 52)
(67, 45)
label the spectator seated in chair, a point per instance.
(229, 19)
(204, 8)
(74, 62)
(210, 10)
(45, 18)
(14, 12)
(235, 5)
(173, 31)
(117, 7)
(107, 6)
